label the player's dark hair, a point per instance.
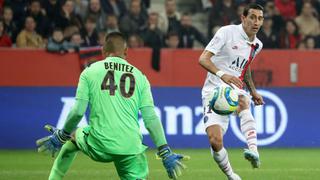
(114, 42)
(251, 6)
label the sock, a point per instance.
(221, 158)
(63, 161)
(248, 129)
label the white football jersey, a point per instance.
(233, 52)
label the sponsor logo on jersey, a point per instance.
(238, 64)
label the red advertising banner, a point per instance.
(179, 68)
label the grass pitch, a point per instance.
(277, 164)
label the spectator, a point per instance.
(290, 37)
(76, 41)
(287, 8)
(68, 17)
(273, 12)
(28, 37)
(154, 38)
(52, 9)
(19, 11)
(307, 23)
(223, 13)
(5, 40)
(172, 40)
(90, 34)
(135, 41)
(69, 31)
(57, 43)
(42, 22)
(267, 35)
(101, 38)
(170, 19)
(301, 45)
(116, 7)
(270, 9)
(10, 26)
(315, 4)
(310, 43)
(135, 21)
(152, 35)
(81, 7)
(111, 24)
(144, 6)
(188, 33)
(95, 11)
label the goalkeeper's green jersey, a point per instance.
(116, 91)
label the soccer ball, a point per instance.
(224, 101)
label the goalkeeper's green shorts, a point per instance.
(129, 167)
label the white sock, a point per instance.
(248, 129)
(222, 160)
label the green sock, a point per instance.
(63, 161)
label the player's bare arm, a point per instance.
(207, 64)
(248, 81)
(257, 98)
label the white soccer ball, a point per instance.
(224, 101)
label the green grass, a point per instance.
(277, 164)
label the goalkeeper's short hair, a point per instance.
(114, 42)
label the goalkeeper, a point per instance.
(116, 91)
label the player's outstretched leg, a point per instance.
(219, 153)
(63, 161)
(221, 158)
(248, 128)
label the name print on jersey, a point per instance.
(118, 67)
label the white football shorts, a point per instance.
(211, 118)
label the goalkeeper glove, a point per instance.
(172, 162)
(54, 142)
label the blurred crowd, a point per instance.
(288, 24)
(67, 25)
